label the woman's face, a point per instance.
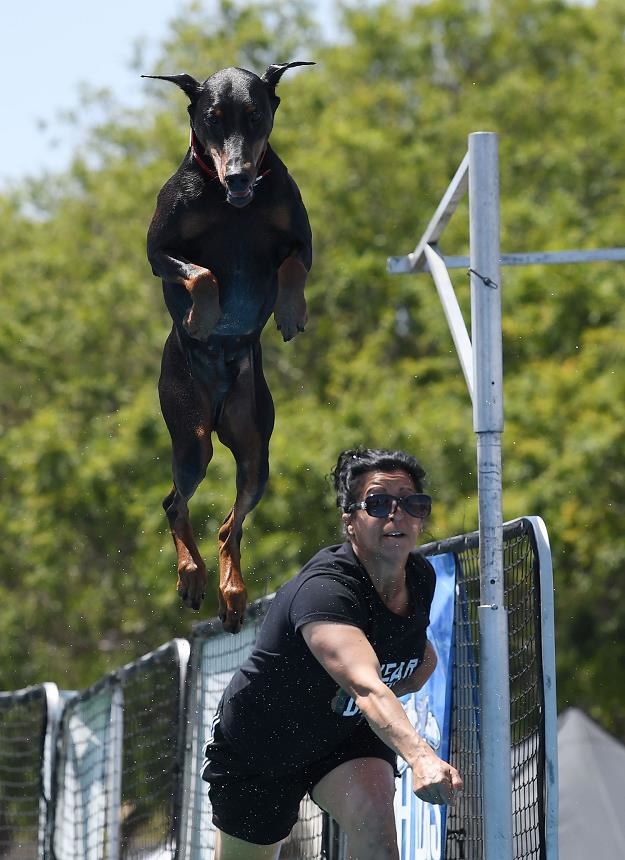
(385, 538)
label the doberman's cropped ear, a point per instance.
(272, 75)
(187, 84)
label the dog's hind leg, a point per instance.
(245, 426)
(187, 414)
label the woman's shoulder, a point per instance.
(337, 557)
(336, 563)
(332, 567)
(328, 587)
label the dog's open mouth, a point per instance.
(240, 198)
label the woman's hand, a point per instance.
(434, 780)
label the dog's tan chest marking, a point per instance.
(281, 218)
(194, 224)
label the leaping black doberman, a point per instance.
(231, 241)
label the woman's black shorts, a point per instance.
(263, 807)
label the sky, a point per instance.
(48, 49)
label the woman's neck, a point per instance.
(389, 580)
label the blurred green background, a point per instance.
(372, 134)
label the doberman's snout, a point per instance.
(239, 187)
(237, 181)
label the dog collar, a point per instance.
(194, 143)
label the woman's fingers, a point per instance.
(444, 790)
(456, 779)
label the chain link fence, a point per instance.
(113, 772)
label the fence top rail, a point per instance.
(513, 528)
(27, 694)
(161, 654)
(214, 627)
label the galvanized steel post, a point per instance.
(488, 425)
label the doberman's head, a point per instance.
(232, 115)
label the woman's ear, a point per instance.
(347, 518)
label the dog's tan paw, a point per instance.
(191, 585)
(198, 325)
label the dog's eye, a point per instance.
(255, 117)
(213, 119)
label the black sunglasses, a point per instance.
(381, 504)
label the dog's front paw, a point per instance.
(198, 324)
(205, 312)
(291, 316)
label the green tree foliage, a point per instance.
(372, 134)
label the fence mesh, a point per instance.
(151, 756)
(126, 781)
(23, 719)
(118, 765)
(83, 782)
(522, 598)
(215, 656)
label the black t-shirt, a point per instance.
(277, 710)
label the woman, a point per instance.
(314, 708)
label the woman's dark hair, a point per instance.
(354, 463)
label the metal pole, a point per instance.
(115, 763)
(488, 425)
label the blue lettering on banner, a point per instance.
(421, 826)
